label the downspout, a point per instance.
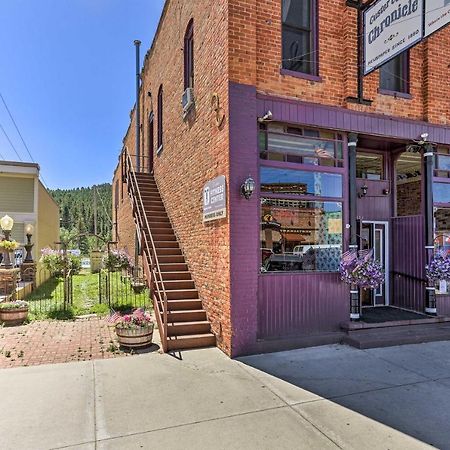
(137, 44)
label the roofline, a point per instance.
(155, 37)
(48, 193)
(20, 164)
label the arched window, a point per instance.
(160, 119)
(189, 56)
(151, 139)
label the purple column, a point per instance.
(244, 217)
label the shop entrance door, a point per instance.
(375, 235)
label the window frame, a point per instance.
(300, 199)
(151, 139)
(405, 87)
(384, 163)
(188, 52)
(313, 74)
(160, 119)
(339, 163)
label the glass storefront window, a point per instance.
(441, 192)
(300, 236)
(369, 166)
(442, 239)
(442, 163)
(289, 181)
(302, 146)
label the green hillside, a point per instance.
(77, 211)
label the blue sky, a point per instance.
(67, 75)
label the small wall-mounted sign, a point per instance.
(215, 199)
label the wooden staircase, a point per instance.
(182, 321)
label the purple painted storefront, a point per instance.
(281, 306)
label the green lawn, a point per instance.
(47, 301)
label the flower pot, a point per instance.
(13, 316)
(138, 288)
(135, 337)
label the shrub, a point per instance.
(116, 260)
(55, 261)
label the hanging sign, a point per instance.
(393, 26)
(437, 15)
(215, 199)
(390, 28)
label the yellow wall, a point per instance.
(17, 193)
(47, 229)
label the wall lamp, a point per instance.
(364, 190)
(248, 187)
(266, 118)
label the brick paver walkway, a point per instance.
(47, 342)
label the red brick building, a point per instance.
(275, 91)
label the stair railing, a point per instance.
(148, 245)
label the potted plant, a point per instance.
(13, 313)
(135, 330)
(9, 247)
(138, 285)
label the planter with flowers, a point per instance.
(439, 268)
(361, 270)
(135, 330)
(8, 248)
(13, 313)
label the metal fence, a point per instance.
(62, 297)
(123, 290)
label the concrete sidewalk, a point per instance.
(326, 397)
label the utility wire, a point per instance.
(10, 142)
(103, 204)
(21, 137)
(17, 128)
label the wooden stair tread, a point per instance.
(196, 322)
(187, 322)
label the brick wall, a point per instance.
(409, 198)
(238, 43)
(255, 59)
(195, 150)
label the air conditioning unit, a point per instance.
(188, 100)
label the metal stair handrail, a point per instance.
(141, 222)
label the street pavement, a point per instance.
(316, 398)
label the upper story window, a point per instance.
(189, 56)
(299, 36)
(394, 75)
(307, 146)
(160, 119)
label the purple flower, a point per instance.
(361, 269)
(439, 268)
